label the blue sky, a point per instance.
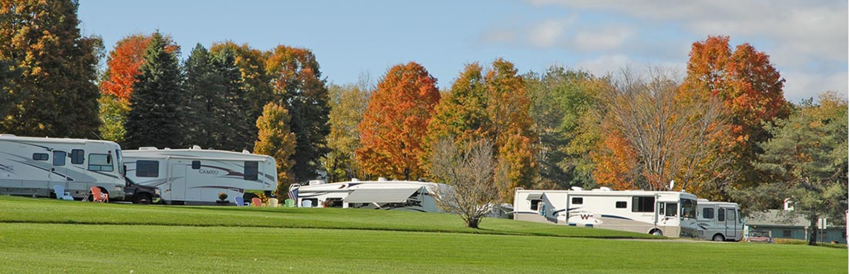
(807, 40)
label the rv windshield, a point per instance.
(119, 161)
(689, 209)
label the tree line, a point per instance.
(723, 130)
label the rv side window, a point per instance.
(643, 204)
(251, 168)
(535, 204)
(730, 213)
(59, 158)
(708, 213)
(721, 215)
(196, 164)
(40, 156)
(621, 204)
(577, 200)
(77, 156)
(670, 210)
(100, 162)
(147, 168)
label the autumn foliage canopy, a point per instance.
(396, 121)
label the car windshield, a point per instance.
(689, 208)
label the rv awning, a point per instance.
(534, 196)
(394, 195)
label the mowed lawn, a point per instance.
(81, 244)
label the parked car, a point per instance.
(759, 237)
(140, 194)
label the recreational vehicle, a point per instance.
(531, 205)
(32, 166)
(197, 176)
(667, 213)
(719, 221)
(381, 194)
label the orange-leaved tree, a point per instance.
(750, 88)
(396, 120)
(492, 106)
(116, 86)
(297, 84)
(276, 140)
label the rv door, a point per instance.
(177, 181)
(731, 223)
(58, 170)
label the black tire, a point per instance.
(656, 232)
(718, 238)
(143, 198)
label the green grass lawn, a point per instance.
(28, 210)
(44, 236)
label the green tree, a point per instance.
(807, 162)
(277, 141)
(8, 97)
(563, 104)
(156, 100)
(238, 133)
(55, 70)
(206, 105)
(493, 106)
(298, 84)
(113, 115)
(348, 104)
(252, 67)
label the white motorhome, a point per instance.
(667, 213)
(719, 221)
(197, 176)
(381, 194)
(32, 166)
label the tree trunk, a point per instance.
(473, 222)
(813, 235)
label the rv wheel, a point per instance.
(657, 232)
(718, 238)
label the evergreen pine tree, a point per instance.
(238, 133)
(205, 102)
(156, 100)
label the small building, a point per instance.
(797, 227)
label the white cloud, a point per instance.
(561, 33)
(547, 33)
(615, 63)
(806, 40)
(608, 38)
(817, 28)
(605, 64)
(801, 85)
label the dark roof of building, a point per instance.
(776, 217)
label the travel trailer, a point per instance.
(530, 205)
(380, 194)
(32, 166)
(719, 221)
(666, 213)
(197, 176)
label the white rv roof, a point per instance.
(387, 195)
(10, 137)
(208, 154)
